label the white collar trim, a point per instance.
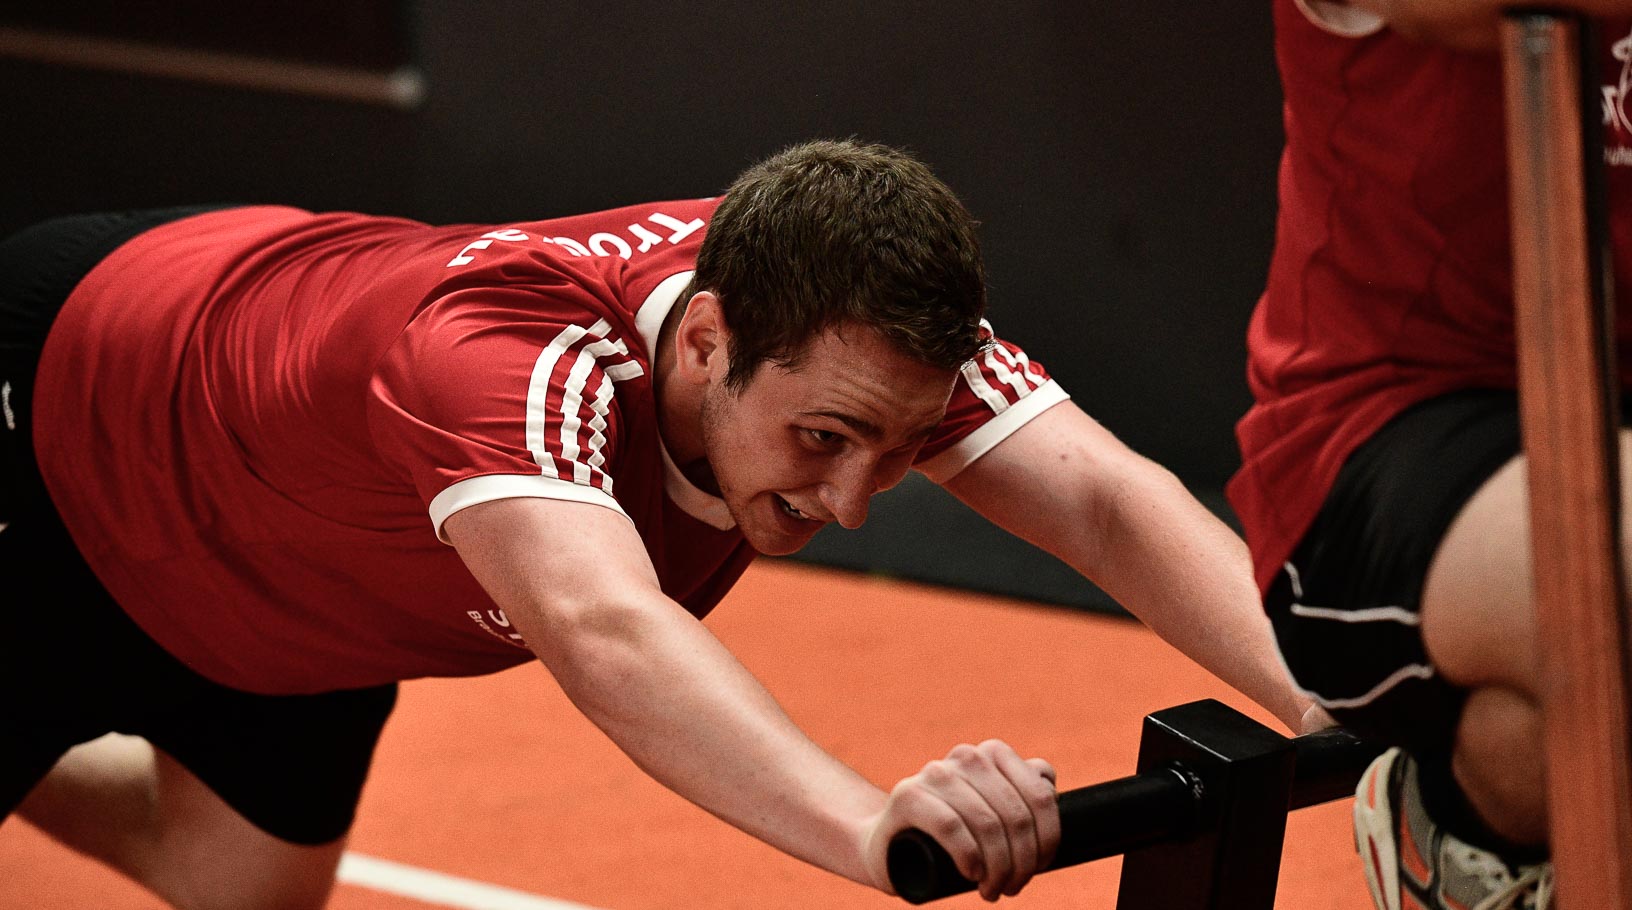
(702, 506)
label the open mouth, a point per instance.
(788, 508)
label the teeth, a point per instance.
(788, 508)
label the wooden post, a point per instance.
(1568, 390)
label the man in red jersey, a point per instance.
(282, 460)
(1382, 491)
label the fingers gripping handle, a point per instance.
(1095, 822)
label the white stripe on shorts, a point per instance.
(1369, 614)
(1410, 671)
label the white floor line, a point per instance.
(439, 888)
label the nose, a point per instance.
(849, 489)
(846, 496)
(847, 503)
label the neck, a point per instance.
(679, 404)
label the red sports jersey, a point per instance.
(255, 421)
(1391, 280)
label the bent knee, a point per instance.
(1478, 603)
(211, 858)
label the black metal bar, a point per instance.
(1329, 766)
(1165, 802)
(1232, 858)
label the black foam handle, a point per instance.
(921, 870)
(1117, 816)
(1095, 822)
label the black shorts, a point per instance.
(73, 666)
(1346, 606)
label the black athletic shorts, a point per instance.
(73, 666)
(1346, 606)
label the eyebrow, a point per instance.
(866, 428)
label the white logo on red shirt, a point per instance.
(599, 244)
(501, 620)
(1617, 122)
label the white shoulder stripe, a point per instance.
(1022, 365)
(1005, 373)
(983, 389)
(946, 465)
(605, 345)
(489, 487)
(597, 430)
(572, 408)
(618, 372)
(572, 404)
(538, 394)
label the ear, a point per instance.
(702, 343)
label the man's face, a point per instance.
(797, 448)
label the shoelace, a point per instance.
(1531, 890)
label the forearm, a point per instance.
(1189, 578)
(1067, 485)
(693, 718)
(1468, 24)
(684, 710)
(660, 685)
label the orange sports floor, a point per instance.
(499, 781)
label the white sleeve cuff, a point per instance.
(946, 465)
(1341, 18)
(488, 487)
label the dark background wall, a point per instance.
(1121, 157)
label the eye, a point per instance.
(823, 438)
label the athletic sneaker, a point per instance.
(1412, 864)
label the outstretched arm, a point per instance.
(575, 581)
(1064, 483)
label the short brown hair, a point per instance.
(828, 233)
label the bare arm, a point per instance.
(1066, 484)
(574, 580)
(1469, 24)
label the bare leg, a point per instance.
(1478, 621)
(133, 807)
(1479, 626)
(1499, 725)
